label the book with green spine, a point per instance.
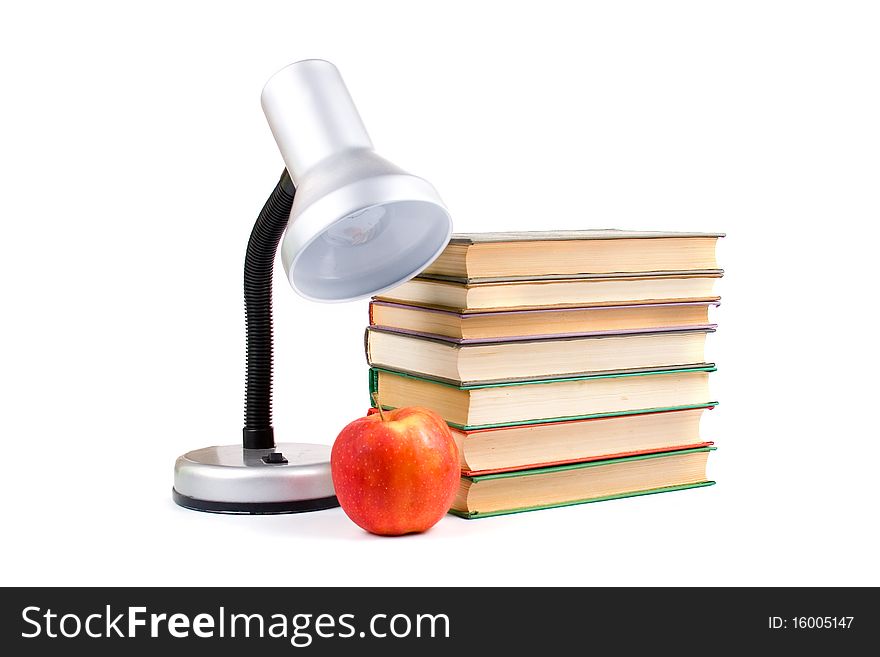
(481, 406)
(580, 483)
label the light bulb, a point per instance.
(357, 228)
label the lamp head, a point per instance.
(359, 225)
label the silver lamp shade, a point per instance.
(359, 225)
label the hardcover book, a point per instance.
(475, 326)
(521, 360)
(528, 446)
(532, 254)
(470, 407)
(531, 446)
(528, 490)
(586, 290)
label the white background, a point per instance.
(134, 158)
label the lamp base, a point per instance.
(291, 478)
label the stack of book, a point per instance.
(570, 366)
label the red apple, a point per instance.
(396, 472)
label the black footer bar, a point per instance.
(400, 620)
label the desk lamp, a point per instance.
(356, 225)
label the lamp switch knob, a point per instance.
(274, 458)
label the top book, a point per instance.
(475, 257)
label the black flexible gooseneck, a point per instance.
(258, 267)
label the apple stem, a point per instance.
(378, 404)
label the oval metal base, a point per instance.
(290, 478)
